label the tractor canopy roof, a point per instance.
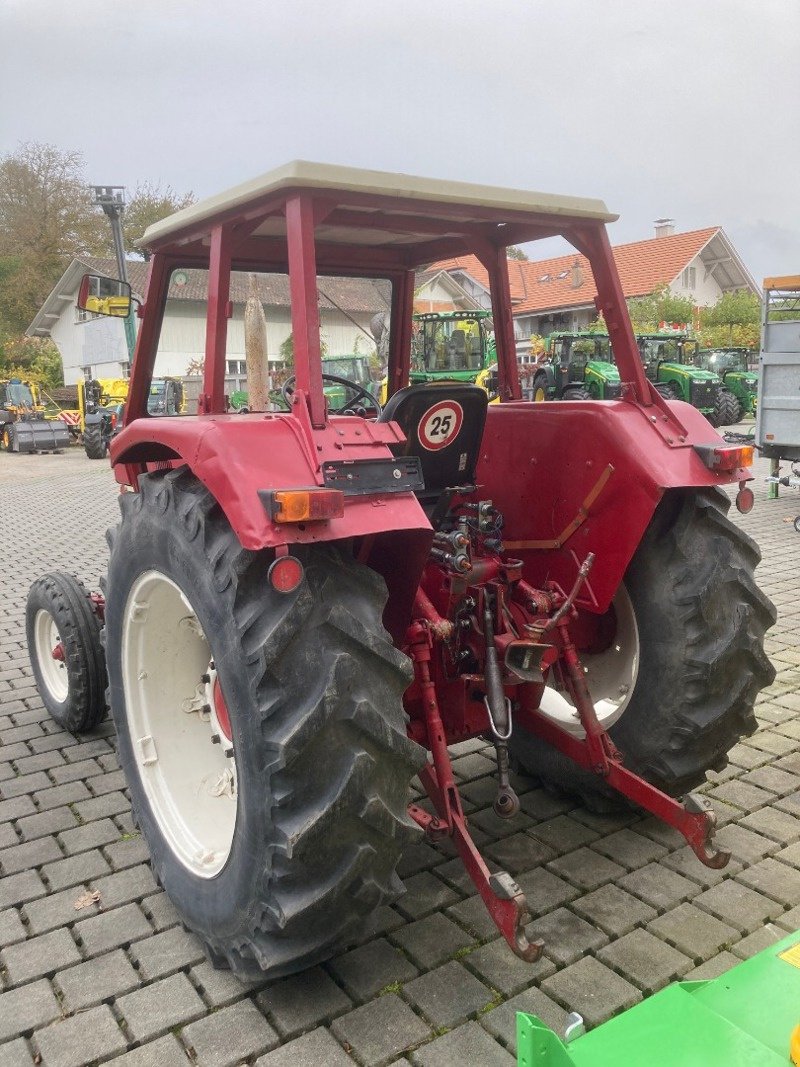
(411, 220)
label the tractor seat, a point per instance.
(443, 425)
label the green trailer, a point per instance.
(748, 1017)
(732, 365)
(579, 366)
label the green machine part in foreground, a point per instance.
(748, 1017)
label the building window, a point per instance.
(237, 366)
(689, 278)
(86, 372)
(126, 370)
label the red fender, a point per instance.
(540, 462)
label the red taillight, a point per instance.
(725, 458)
(113, 420)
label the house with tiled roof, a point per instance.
(558, 293)
(95, 346)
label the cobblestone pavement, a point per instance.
(623, 908)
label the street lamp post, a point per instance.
(111, 198)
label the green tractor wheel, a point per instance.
(540, 388)
(576, 392)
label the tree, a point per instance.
(662, 305)
(46, 218)
(512, 252)
(150, 203)
(734, 320)
(32, 358)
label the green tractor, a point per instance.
(580, 366)
(670, 362)
(351, 368)
(740, 383)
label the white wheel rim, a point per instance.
(168, 678)
(53, 671)
(611, 675)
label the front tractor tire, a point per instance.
(94, 444)
(262, 734)
(67, 657)
(700, 622)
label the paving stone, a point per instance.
(566, 936)
(497, 966)
(303, 1001)
(25, 1008)
(745, 845)
(425, 893)
(39, 956)
(127, 853)
(544, 891)
(563, 833)
(16, 1054)
(772, 778)
(738, 905)
(694, 932)
(790, 919)
(367, 970)
(165, 1052)
(108, 783)
(159, 1007)
(448, 995)
(166, 953)
(487, 827)
(613, 910)
(124, 886)
(317, 1049)
(379, 922)
(757, 941)
(474, 916)
(219, 988)
(24, 783)
(90, 835)
(418, 857)
(684, 862)
(789, 804)
(519, 852)
(658, 886)
(160, 911)
(74, 772)
(469, 1044)
(97, 980)
(75, 869)
(69, 793)
(645, 960)
(100, 807)
(112, 929)
(541, 805)
(778, 881)
(57, 909)
(431, 941)
(380, 1030)
(8, 835)
(741, 794)
(586, 868)
(501, 1022)
(92, 1035)
(228, 1036)
(473, 766)
(42, 761)
(30, 854)
(591, 989)
(85, 749)
(713, 968)
(47, 822)
(630, 849)
(21, 887)
(16, 808)
(12, 928)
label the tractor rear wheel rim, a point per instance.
(168, 676)
(611, 675)
(53, 669)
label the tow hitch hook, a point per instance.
(506, 802)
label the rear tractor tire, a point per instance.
(688, 688)
(275, 814)
(67, 657)
(727, 409)
(93, 443)
(576, 392)
(540, 388)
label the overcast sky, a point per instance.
(674, 108)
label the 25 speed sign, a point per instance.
(440, 424)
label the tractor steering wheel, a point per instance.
(358, 391)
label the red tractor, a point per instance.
(304, 609)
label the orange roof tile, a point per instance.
(546, 284)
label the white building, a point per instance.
(95, 346)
